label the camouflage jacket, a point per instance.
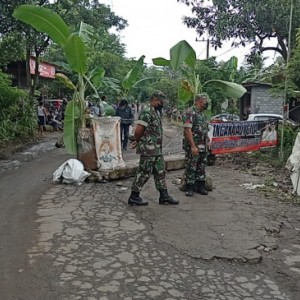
(150, 144)
(197, 121)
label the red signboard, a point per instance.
(228, 137)
(45, 69)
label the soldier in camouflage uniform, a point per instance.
(195, 146)
(148, 140)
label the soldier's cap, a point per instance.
(159, 95)
(202, 96)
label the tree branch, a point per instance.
(263, 49)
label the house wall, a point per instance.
(263, 102)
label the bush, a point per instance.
(17, 112)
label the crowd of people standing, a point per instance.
(50, 114)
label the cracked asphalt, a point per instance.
(84, 242)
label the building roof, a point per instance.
(255, 83)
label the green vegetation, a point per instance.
(102, 68)
(245, 22)
(17, 114)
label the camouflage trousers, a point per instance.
(150, 165)
(195, 167)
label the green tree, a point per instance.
(36, 43)
(32, 42)
(17, 116)
(183, 59)
(294, 65)
(74, 47)
(245, 21)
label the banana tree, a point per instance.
(74, 47)
(183, 59)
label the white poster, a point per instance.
(108, 142)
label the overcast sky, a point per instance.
(156, 25)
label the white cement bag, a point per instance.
(71, 171)
(108, 142)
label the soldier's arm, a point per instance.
(189, 137)
(139, 132)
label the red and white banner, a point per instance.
(45, 69)
(244, 136)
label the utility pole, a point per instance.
(207, 46)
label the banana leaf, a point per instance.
(76, 54)
(180, 53)
(229, 89)
(184, 94)
(85, 31)
(65, 80)
(141, 82)
(113, 84)
(162, 62)
(96, 76)
(44, 20)
(63, 65)
(72, 114)
(131, 77)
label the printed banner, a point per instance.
(244, 136)
(108, 142)
(45, 69)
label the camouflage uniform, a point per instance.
(195, 165)
(150, 149)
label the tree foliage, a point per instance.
(294, 65)
(17, 117)
(245, 22)
(31, 42)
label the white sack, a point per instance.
(71, 171)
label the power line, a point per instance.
(201, 52)
(232, 48)
(207, 46)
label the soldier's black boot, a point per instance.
(189, 190)
(165, 198)
(201, 188)
(135, 199)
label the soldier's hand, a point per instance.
(133, 145)
(195, 151)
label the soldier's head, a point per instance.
(157, 100)
(201, 101)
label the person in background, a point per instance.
(53, 121)
(195, 145)
(95, 109)
(41, 112)
(148, 140)
(125, 113)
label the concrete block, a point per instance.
(173, 162)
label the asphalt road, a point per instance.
(66, 242)
(21, 189)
